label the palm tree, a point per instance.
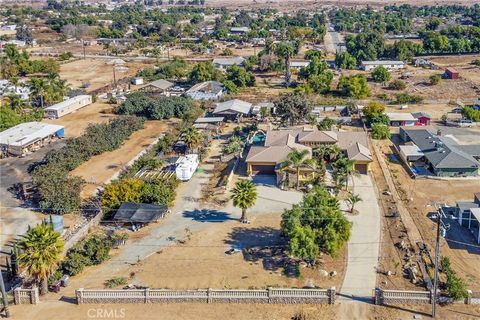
(41, 251)
(297, 159)
(244, 196)
(38, 89)
(192, 137)
(16, 103)
(353, 199)
(327, 152)
(285, 50)
(344, 168)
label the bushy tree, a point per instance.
(316, 220)
(397, 85)
(317, 75)
(204, 71)
(293, 108)
(240, 77)
(144, 105)
(380, 131)
(355, 86)
(326, 124)
(373, 111)
(381, 74)
(344, 60)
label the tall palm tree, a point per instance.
(16, 103)
(38, 89)
(192, 137)
(353, 199)
(327, 152)
(344, 168)
(41, 251)
(244, 196)
(297, 159)
(286, 51)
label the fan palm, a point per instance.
(38, 88)
(244, 196)
(192, 137)
(297, 159)
(286, 51)
(344, 167)
(41, 251)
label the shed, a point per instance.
(451, 73)
(423, 118)
(401, 119)
(140, 213)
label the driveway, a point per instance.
(363, 247)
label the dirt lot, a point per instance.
(97, 72)
(419, 194)
(101, 168)
(436, 111)
(76, 122)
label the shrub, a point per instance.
(397, 85)
(408, 98)
(381, 74)
(380, 131)
(115, 282)
(435, 79)
(157, 108)
(471, 114)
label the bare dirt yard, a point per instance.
(100, 169)
(97, 72)
(419, 195)
(76, 122)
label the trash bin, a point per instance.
(64, 280)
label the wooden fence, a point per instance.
(270, 295)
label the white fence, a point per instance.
(25, 296)
(270, 295)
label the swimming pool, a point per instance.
(258, 138)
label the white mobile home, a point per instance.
(390, 65)
(28, 137)
(68, 106)
(186, 167)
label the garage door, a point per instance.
(361, 168)
(263, 169)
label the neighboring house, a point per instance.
(209, 90)
(431, 153)
(68, 106)
(224, 63)
(468, 214)
(233, 109)
(451, 73)
(401, 119)
(423, 118)
(28, 137)
(257, 109)
(278, 144)
(209, 124)
(160, 86)
(298, 64)
(390, 65)
(239, 30)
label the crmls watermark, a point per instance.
(106, 313)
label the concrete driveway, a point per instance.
(363, 247)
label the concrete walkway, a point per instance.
(363, 247)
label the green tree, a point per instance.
(373, 111)
(326, 124)
(318, 75)
(353, 199)
(230, 86)
(344, 60)
(38, 89)
(204, 71)
(380, 131)
(293, 108)
(355, 86)
(41, 251)
(381, 74)
(240, 77)
(244, 196)
(397, 85)
(296, 160)
(286, 51)
(317, 219)
(435, 79)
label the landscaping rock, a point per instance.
(333, 273)
(323, 273)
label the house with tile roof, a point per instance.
(278, 144)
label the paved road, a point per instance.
(333, 39)
(363, 247)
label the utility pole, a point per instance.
(4, 296)
(437, 255)
(114, 78)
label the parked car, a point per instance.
(465, 123)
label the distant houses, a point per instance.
(388, 64)
(226, 62)
(160, 86)
(209, 90)
(68, 106)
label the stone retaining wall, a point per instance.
(270, 295)
(26, 296)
